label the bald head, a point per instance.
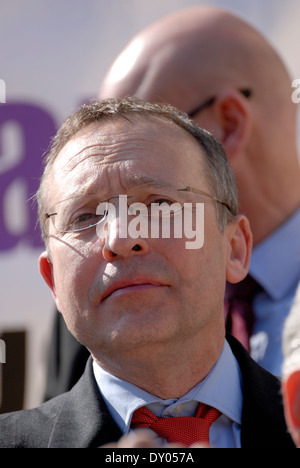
(200, 53)
(194, 54)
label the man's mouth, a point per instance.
(137, 286)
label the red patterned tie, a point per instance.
(185, 430)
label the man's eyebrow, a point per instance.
(132, 182)
(136, 181)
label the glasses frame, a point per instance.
(185, 189)
(50, 215)
(208, 195)
(209, 102)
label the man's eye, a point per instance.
(163, 201)
(85, 220)
(85, 217)
(164, 207)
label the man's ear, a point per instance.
(46, 270)
(291, 398)
(239, 249)
(233, 115)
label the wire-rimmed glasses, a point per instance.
(83, 212)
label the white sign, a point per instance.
(2, 352)
(2, 91)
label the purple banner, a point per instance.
(35, 127)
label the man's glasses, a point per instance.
(80, 213)
(207, 195)
(209, 102)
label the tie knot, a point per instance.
(185, 430)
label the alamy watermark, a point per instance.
(2, 352)
(2, 91)
(154, 221)
(296, 93)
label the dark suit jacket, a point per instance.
(80, 418)
(66, 361)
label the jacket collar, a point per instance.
(83, 420)
(263, 425)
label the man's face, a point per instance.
(116, 297)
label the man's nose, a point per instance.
(118, 243)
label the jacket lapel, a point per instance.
(263, 422)
(83, 419)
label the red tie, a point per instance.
(185, 430)
(238, 309)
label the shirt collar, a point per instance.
(123, 398)
(275, 262)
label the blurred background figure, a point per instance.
(226, 76)
(291, 370)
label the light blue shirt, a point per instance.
(222, 389)
(275, 264)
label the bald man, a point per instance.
(226, 76)
(202, 53)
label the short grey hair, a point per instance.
(220, 175)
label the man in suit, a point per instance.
(219, 69)
(139, 213)
(80, 418)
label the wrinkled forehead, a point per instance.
(112, 151)
(121, 130)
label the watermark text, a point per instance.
(157, 221)
(296, 93)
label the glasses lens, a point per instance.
(77, 214)
(81, 213)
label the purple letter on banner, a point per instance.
(24, 165)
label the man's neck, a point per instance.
(168, 374)
(267, 211)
